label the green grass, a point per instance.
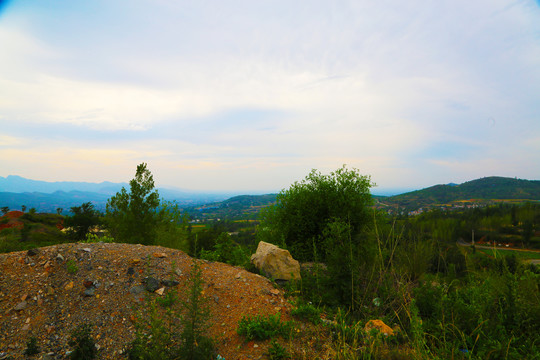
(521, 255)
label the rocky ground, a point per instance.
(47, 293)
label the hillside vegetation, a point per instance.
(437, 296)
(487, 188)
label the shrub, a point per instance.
(277, 352)
(262, 328)
(307, 312)
(71, 266)
(83, 344)
(31, 347)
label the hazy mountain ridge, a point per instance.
(16, 191)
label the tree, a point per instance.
(4, 210)
(23, 208)
(59, 210)
(83, 219)
(140, 217)
(303, 213)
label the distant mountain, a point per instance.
(493, 187)
(18, 184)
(16, 191)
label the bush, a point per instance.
(83, 344)
(262, 328)
(173, 336)
(277, 352)
(307, 312)
(31, 347)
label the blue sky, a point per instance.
(249, 96)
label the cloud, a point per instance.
(256, 94)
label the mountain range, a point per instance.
(44, 196)
(16, 191)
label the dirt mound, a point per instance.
(48, 293)
(11, 220)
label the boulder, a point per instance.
(275, 263)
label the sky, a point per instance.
(249, 96)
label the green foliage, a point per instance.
(140, 216)
(4, 209)
(155, 335)
(71, 266)
(171, 334)
(305, 210)
(132, 216)
(227, 251)
(32, 347)
(195, 344)
(83, 344)
(277, 352)
(307, 312)
(84, 218)
(93, 238)
(264, 327)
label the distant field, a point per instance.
(523, 255)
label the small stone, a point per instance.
(27, 321)
(59, 257)
(136, 290)
(24, 297)
(69, 286)
(160, 291)
(89, 292)
(86, 249)
(135, 261)
(238, 276)
(255, 346)
(50, 290)
(216, 299)
(20, 306)
(88, 283)
(25, 327)
(274, 292)
(170, 283)
(178, 272)
(160, 255)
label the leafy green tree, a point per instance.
(140, 217)
(4, 210)
(303, 212)
(23, 208)
(84, 218)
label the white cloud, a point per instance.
(317, 84)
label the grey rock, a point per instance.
(91, 291)
(59, 257)
(170, 283)
(136, 290)
(151, 284)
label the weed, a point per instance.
(72, 267)
(83, 344)
(277, 351)
(307, 312)
(31, 347)
(262, 328)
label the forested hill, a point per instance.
(237, 207)
(493, 187)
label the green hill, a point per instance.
(488, 188)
